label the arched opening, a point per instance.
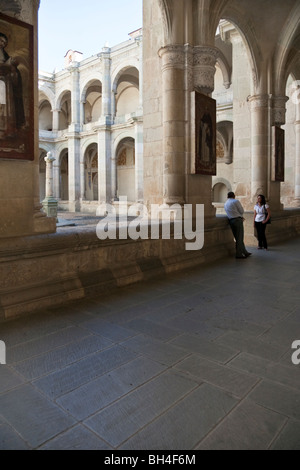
(45, 116)
(220, 192)
(93, 102)
(125, 157)
(91, 173)
(127, 92)
(65, 111)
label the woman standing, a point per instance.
(261, 216)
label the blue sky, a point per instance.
(84, 26)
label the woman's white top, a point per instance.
(261, 212)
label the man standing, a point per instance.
(235, 212)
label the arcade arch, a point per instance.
(125, 157)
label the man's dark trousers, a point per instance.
(237, 227)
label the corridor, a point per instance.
(197, 360)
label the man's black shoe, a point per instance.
(241, 257)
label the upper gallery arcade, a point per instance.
(247, 58)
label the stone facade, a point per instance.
(91, 119)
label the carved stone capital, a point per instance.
(259, 101)
(172, 56)
(205, 59)
(279, 110)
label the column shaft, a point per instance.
(173, 124)
(260, 126)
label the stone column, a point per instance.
(104, 164)
(56, 176)
(139, 167)
(74, 172)
(75, 99)
(106, 86)
(55, 120)
(278, 119)
(21, 212)
(82, 180)
(260, 126)
(173, 65)
(49, 203)
(140, 43)
(297, 156)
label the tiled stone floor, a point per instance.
(198, 360)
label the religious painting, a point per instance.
(16, 89)
(204, 135)
(278, 148)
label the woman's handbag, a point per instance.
(266, 216)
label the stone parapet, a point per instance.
(40, 272)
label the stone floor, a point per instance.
(197, 360)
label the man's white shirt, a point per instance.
(233, 208)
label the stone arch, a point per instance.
(45, 115)
(225, 69)
(91, 172)
(287, 51)
(91, 97)
(125, 167)
(220, 189)
(63, 103)
(126, 89)
(246, 31)
(225, 137)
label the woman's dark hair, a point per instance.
(263, 199)
(2, 35)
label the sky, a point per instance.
(84, 26)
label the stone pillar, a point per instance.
(278, 119)
(297, 156)
(82, 180)
(106, 86)
(56, 176)
(104, 164)
(21, 212)
(173, 74)
(139, 167)
(260, 127)
(74, 172)
(49, 203)
(75, 99)
(140, 43)
(55, 120)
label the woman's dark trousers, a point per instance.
(261, 234)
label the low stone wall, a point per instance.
(285, 225)
(48, 270)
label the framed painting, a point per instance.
(16, 89)
(278, 154)
(204, 141)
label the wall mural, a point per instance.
(204, 135)
(278, 154)
(16, 89)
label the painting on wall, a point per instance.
(278, 148)
(204, 135)
(16, 89)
